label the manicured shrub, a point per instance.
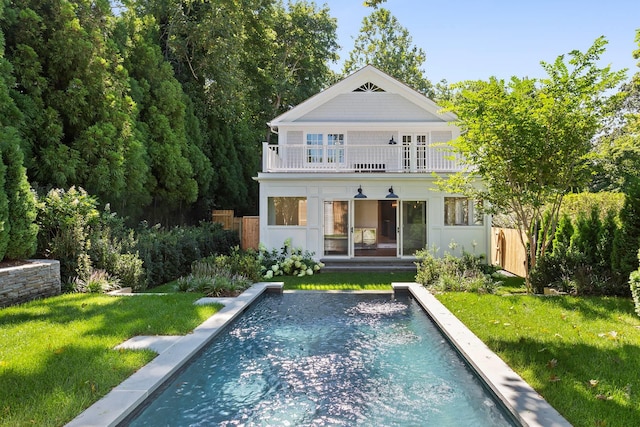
(634, 284)
(606, 238)
(130, 271)
(112, 249)
(562, 237)
(580, 261)
(627, 238)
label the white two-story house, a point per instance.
(354, 175)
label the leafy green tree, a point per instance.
(618, 150)
(387, 45)
(292, 57)
(527, 140)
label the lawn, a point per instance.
(581, 354)
(350, 281)
(56, 355)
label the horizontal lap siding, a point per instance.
(368, 107)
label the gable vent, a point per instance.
(369, 87)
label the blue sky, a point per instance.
(473, 40)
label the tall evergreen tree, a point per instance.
(73, 89)
(177, 164)
(5, 227)
(17, 202)
(586, 236)
(626, 241)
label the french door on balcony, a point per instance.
(414, 152)
(374, 228)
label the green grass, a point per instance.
(512, 285)
(168, 288)
(351, 281)
(581, 354)
(56, 355)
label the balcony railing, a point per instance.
(359, 158)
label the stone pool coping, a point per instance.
(526, 405)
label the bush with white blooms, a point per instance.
(287, 261)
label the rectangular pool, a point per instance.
(319, 359)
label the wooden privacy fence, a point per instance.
(507, 250)
(250, 236)
(248, 227)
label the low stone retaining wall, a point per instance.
(35, 279)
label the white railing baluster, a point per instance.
(359, 158)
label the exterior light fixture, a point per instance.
(391, 141)
(360, 195)
(391, 194)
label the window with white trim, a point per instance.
(462, 211)
(287, 211)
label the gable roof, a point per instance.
(367, 81)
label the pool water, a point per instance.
(327, 359)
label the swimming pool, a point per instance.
(327, 359)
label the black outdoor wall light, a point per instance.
(360, 195)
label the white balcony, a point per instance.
(359, 158)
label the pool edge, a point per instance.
(123, 399)
(525, 404)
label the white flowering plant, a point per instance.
(287, 261)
